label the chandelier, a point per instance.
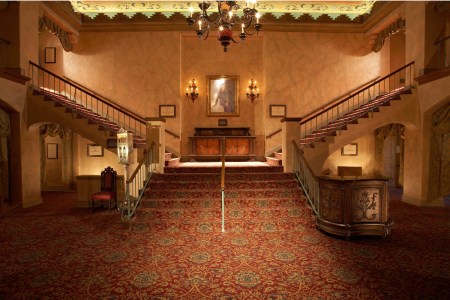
(226, 18)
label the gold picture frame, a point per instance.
(350, 150)
(94, 150)
(167, 111)
(52, 151)
(222, 95)
(277, 111)
(50, 55)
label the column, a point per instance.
(290, 132)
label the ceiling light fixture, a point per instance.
(227, 17)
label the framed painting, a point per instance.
(94, 150)
(350, 150)
(50, 55)
(222, 95)
(52, 151)
(167, 111)
(277, 111)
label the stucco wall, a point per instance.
(141, 70)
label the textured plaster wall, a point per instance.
(142, 70)
(364, 159)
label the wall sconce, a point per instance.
(252, 90)
(192, 90)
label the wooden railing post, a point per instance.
(290, 131)
(156, 128)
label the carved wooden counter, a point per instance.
(207, 143)
(352, 206)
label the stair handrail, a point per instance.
(335, 100)
(136, 184)
(106, 99)
(329, 103)
(140, 118)
(321, 117)
(222, 184)
(109, 110)
(305, 176)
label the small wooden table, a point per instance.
(209, 142)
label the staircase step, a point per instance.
(272, 161)
(230, 185)
(216, 194)
(278, 155)
(213, 170)
(204, 177)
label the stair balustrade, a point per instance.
(336, 116)
(306, 177)
(136, 184)
(44, 81)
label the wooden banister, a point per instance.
(107, 102)
(329, 107)
(442, 39)
(273, 133)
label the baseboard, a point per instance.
(419, 202)
(83, 204)
(32, 203)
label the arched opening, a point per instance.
(55, 143)
(389, 153)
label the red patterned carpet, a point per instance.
(174, 248)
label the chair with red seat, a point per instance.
(108, 192)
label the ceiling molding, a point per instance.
(315, 9)
(75, 22)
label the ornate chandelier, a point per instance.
(227, 17)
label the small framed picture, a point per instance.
(277, 111)
(222, 122)
(350, 150)
(50, 55)
(167, 111)
(52, 151)
(94, 150)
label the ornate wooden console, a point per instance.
(352, 206)
(207, 143)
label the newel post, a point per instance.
(156, 129)
(290, 130)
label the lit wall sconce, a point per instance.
(252, 90)
(192, 90)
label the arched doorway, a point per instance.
(389, 153)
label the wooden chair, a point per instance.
(108, 189)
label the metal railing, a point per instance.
(443, 45)
(222, 185)
(306, 177)
(135, 186)
(43, 79)
(401, 78)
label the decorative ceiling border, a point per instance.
(296, 9)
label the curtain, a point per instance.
(439, 184)
(5, 131)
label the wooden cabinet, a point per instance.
(208, 143)
(351, 206)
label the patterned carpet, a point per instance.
(174, 248)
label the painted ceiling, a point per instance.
(296, 9)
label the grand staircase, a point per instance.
(58, 100)
(257, 199)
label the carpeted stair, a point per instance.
(257, 199)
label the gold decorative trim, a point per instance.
(45, 23)
(387, 32)
(315, 9)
